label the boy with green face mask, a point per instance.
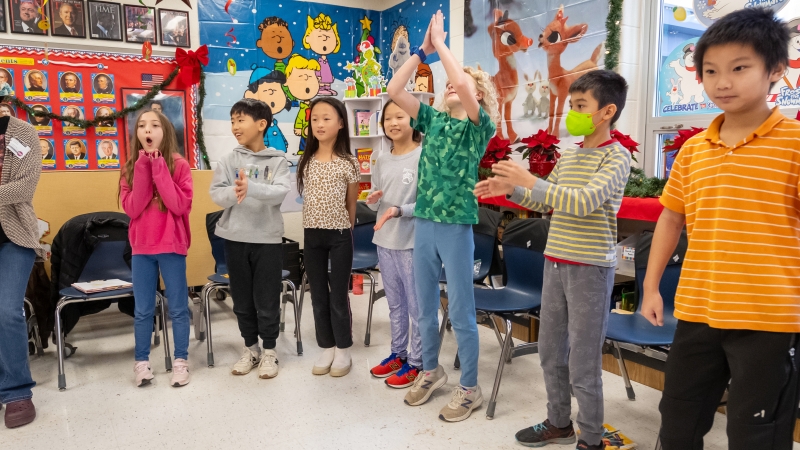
(584, 191)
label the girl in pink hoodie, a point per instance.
(156, 192)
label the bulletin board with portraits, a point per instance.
(88, 85)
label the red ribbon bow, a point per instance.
(189, 63)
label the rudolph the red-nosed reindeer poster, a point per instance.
(534, 52)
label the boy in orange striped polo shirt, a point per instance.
(736, 186)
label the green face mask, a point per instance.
(580, 124)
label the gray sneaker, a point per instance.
(462, 404)
(424, 385)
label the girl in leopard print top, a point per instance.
(327, 177)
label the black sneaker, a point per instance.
(546, 433)
(584, 446)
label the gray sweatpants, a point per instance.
(574, 316)
(397, 272)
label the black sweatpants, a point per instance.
(329, 297)
(255, 274)
(763, 394)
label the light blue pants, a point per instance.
(436, 243)
(397, 273)
(145, 269)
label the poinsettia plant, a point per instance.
(681, 138)
(497, 150)
(541, 152)
(626, 141)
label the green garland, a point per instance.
(639, 185)
(141, 103)
(613, 25)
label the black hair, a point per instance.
(273, 77)
(755, 27)
(416, 136)
(155, 102)
(272, 21)
(606, 87)
(256, 109)
(341, 148)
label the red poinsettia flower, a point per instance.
(683, 136)
(625, 141)
(797, 117)
(498, 149)
(541, 138)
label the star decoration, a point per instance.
(187, 2)
(366, 24)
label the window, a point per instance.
(676, 99)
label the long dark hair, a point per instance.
(341, 148)
(416, 136)
(168, 149)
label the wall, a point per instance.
(104, 46)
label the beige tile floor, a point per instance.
(102, 409)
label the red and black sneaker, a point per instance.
(403, 379)
(388, 367)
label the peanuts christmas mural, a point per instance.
(286, 53)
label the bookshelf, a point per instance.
(375, 140)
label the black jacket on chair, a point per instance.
(72, 246)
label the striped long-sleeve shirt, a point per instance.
(584, 191)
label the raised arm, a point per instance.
(175, 190)
(397, 86)
(455, 73)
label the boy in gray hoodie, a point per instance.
(250, 183)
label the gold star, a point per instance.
(366, 24)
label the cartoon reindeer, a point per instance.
(554, 40)
(507, 39)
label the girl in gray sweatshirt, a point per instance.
(394, 194)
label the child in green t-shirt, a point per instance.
(455, 140)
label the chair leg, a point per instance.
(158, 325)
(624, 371)
(283, 308)
(457, 362)
(296, 316)
(205, 297)
(371, 303)
(62, 378)
(165, 333)
(658, 441)
(505, 350)
(445, 317)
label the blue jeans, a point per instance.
(145, 270)
(15, 374)
(436, 243)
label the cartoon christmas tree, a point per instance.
(366, 65)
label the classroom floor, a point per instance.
(102, 409)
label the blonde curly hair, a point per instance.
(484, 85)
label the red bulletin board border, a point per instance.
(127, 71)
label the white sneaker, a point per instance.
(341, 362)
(246, 363)
(268, 368)
(180, 373)
(323, 364)
(143, 373)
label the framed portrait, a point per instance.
(35, 82)
(70, 87)
(105, 20)
(75, 155)
(43, 125)
(48, 148)
(66, 18)
(107, 154)
(168, 102)
(7, 110)
(107, 127)
(174, 28)
(2, 16)
(24, 17)
(7, 76)
(140, 24)
(103, 88)
(76, 112)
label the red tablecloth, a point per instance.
(646, 209)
